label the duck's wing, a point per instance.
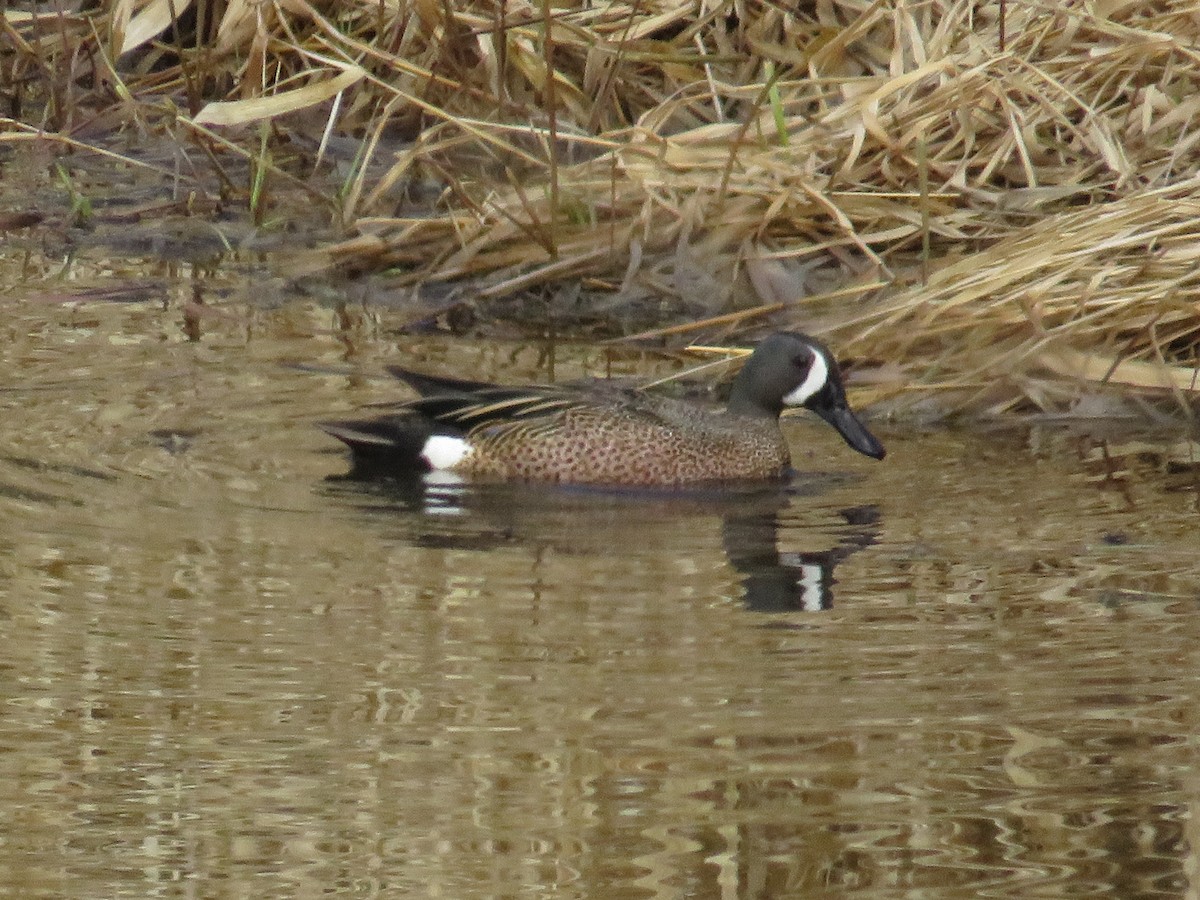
(468, 405)
(426, 385)
(499, 406)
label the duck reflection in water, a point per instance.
(781, 581)
(754, 524)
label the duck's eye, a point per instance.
(802, 361)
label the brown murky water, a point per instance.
(972, 670)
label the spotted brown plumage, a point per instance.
(600, 433)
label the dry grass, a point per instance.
(1003, 213)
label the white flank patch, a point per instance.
(442, 451)
(818, 374)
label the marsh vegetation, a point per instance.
(991, 207)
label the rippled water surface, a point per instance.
(968, 671)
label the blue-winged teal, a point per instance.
(601, 433)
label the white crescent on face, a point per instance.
(818, 374)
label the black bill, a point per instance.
(850, 427)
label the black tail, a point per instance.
(390, 445)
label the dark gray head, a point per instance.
(792, 369)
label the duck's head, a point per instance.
(792, 369)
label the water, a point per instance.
(967, 671)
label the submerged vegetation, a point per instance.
(996, 203)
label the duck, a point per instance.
(603, 433)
